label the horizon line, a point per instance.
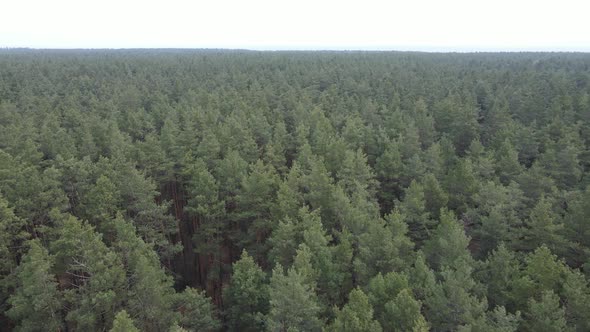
(350, 48)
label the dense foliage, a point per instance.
(174, 190)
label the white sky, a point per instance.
(432, 25)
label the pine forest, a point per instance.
(218, 190)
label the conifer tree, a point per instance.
(123, 323)
(293, 304)
(383, 248)
(196, 311)
(150, 295)
(255, 203)
(422, 278)
(413, 208)
(448, 243)
(246, 297)
(543, 272)
(453, 303)
(393, 302)
(424, 123)
(388, 169)
(577, 230)
(497, 320)
(91, 273)
(507, 165)
(403, 313)
(497, 217)
(435, 198)
(356, 315)
(577, 299)
(545, 314)
(461, 185)
(543, 227)
(500, 271)
(12, 236)
(355, 175)
(36, 303)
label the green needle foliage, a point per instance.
(212, 190)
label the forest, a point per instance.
(219, 190)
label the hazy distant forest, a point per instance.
(177, 190)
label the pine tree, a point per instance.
(535, 184)
(12, 235)
(452, 302)
(205, 204)
(283, 242)
(393, 302)
(424, 123)
(197, 313)
(543, 272)
(152, 158)
(501, 269)
(497, 217)
(354, 132)
(335, 154)
(403, 313)
(389, 169)
(342, 256)
(255, 203)
(331, 278)
(382, 289)
(123, 323)
(414, 210)
(169, 134)
(507, 165)
(91, 272)
(384, 247)
(497, 320)
(484, 164)
(356, 175)
(434, 161)
(496, 121)
(293, 304)
(561, 162)
(546, 314)
(461, 185)
(458, 119)
(36, 303)
(422, 278)
(577, 229)
(448, 244)
(356, 315)
(526, 143)
(288, 234)
(236, 136)
(302, 264)
(209, 148)
(543, 227)
(150, 295)
(202, 189)
(435, 198)
(101, 202)
(229, 172)
(138, 195)
(276, 149)
(414, 169)
(318, 188)
(247, 296)
(289, 198)
(577, 300)
(410, 140)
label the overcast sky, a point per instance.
(432, 25)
